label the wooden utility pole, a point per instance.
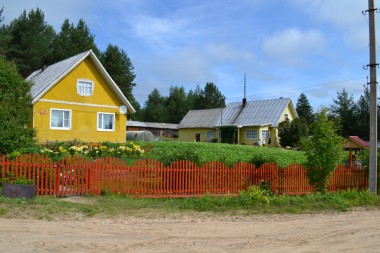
(373, 99)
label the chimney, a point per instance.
(244, 98)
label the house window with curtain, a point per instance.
(251, 134)
(106, 121)
(60, 119)
(85, 87)
(210, 135)
(265, 134)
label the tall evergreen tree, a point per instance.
(194, 98)
(343, 112)
(72, 40)
(31, 41)
(120, 68)
(176, 105)
(212, 97)
(4, 36)
(154, 109)
(304, 109)
(362, 115)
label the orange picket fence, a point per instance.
(150, 178)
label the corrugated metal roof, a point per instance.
(261, 113)
(152, 125)
(200, 118)
(254, 113)
(44, 80)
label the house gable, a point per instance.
(91, 115)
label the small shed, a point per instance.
(354, 144)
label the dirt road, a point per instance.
(354, 231)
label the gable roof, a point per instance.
(44, 79)
(132, 123)
(254, 113)
(355, 142)
(201, 118)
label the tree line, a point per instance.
(30, 42)
(351, 118)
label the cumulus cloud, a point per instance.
(292, 45)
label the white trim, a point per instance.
(62, 110)
(81, 82)
(77, 103)
(253, 131)
(102, 129)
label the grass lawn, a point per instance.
(248, 203)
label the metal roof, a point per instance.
(254, 113)
(262, 113)
(152, 125)
(200, 118)
(44, 79)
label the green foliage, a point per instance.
(229, 134)
(255, 195)
(16, 110)
(291, 132)
(362, 115)
(31, 41)
(304, 109)
(13, 179)
(323, 150)
(154, 110)
(176, 105)
(120, 68)
(229, 154)
(207, 98)
(343, 112)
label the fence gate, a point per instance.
(72, 176)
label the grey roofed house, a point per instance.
(158, 129)
(45, 78)
(205, 118)
(254, 113)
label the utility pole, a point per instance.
(373, 99)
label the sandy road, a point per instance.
(354, 231)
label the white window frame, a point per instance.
(265, 134)
(286, 116)
(251, 134)
(85, 87)
(68, 127)
(210, 134)
(101, 128)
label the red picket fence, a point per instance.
(150, 178)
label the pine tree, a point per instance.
(176, 105)
(31, 42)
(154, 109)
(304, 109)
(343, 112)
(362, 115)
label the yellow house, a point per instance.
(77, 99)
(256, 121)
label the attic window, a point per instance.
(85, 87)
(286, 116)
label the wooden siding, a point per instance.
(84, 110)
(188, 134)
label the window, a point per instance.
(210, 134)
(106, 121)
(85, 87)
(265, 134)
(60, 119)
(220, 134)
(251, 134)
(286, 116)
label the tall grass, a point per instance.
(202, 152)
(252, 201)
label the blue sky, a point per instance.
(285, 47)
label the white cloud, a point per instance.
(292, 45)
